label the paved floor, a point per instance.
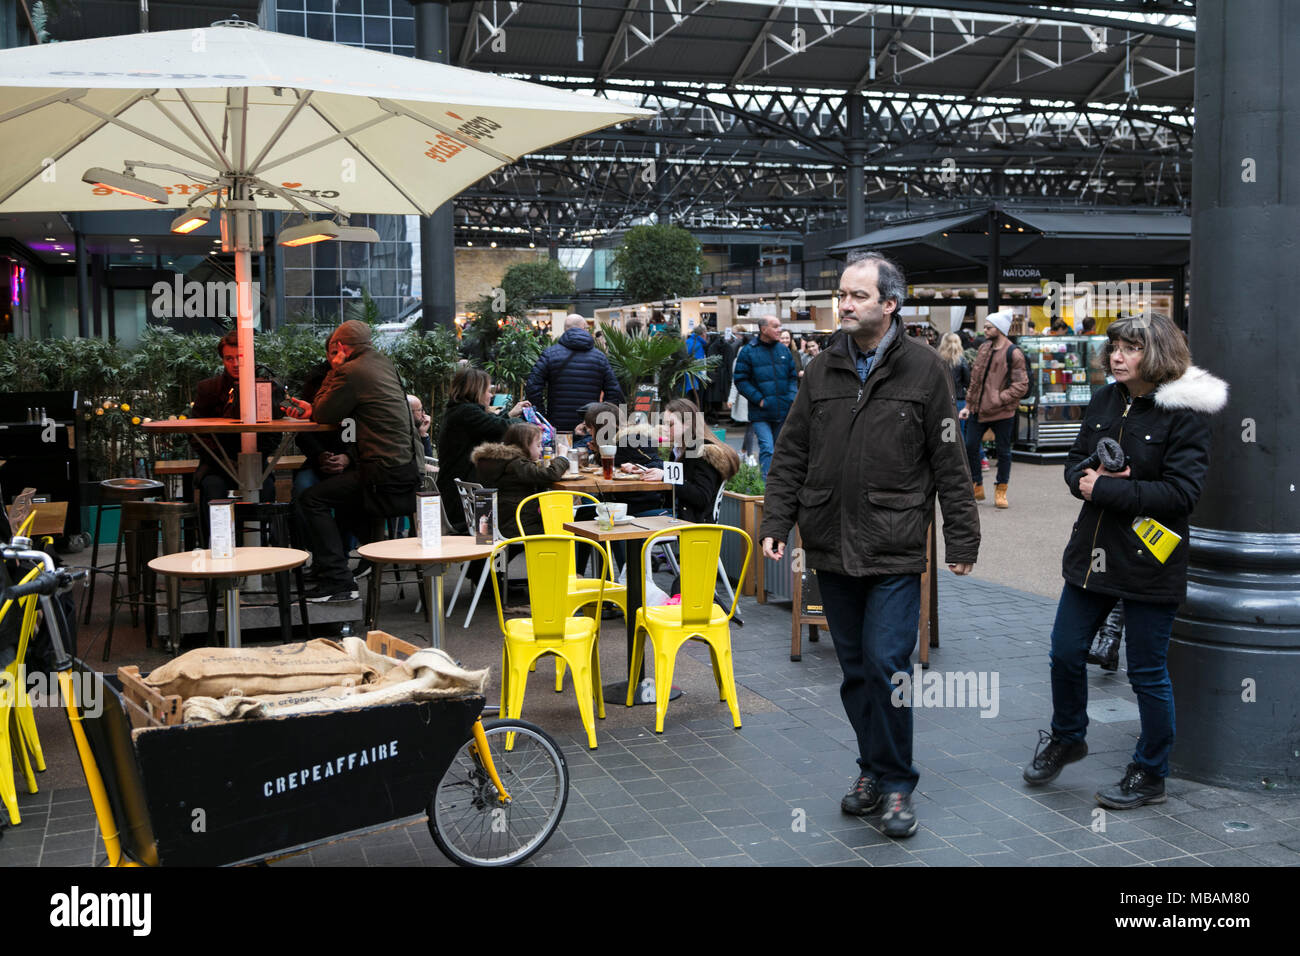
(768, 794)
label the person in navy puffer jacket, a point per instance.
(765, 374)
(569, 375)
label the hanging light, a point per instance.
(316, 230)
(190, 220)
(125, 183)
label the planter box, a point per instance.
(740, 511)
(775, 578)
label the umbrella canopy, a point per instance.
(367, 132)
(237, 118)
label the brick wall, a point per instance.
(480, 270)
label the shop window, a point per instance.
(379, 32)
(320, 26)
(403, 31)
(294, 24)
(347, 29)
(375, 8)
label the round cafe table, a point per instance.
(199, 563)
(453, 549)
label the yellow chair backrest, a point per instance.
(557, 509)
(547, 558)
(699, 546)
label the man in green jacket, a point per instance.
(364, 395)
(871, 439)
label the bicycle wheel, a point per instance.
(466, 819)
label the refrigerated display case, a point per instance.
(1063, 375)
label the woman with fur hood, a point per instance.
(514, 468)
(707, 462)
(1131, 542)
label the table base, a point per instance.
(617, 693)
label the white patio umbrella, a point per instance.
(231, 119)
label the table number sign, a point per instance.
(221, 518)
(430, 519)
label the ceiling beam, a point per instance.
(471, 28)
(757, 45)
(611, 54)
(1006, 58)
(1116, 70)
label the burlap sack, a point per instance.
(250, 671)
(429, 674)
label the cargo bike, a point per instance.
(247, 791)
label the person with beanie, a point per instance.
(363, 393)
(999, 379)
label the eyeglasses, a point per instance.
(1130, 350)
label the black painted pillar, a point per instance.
(1235, 656)
(437, 232)
(83, 280)
(995, 259)
(855, 183)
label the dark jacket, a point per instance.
(1167, 437)
(995, 388)
(314, 444)
(569, 375)
(515, 476)
(218, 397)
(366, 389)
(960, 380)
(726, 350)
(465, 426)
(639, 445)
(766, 372)
(703, 475)
(859, 466)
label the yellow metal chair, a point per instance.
(551, 628)
(17, 723)
(558, 507)
(696, 618)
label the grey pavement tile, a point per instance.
(1078, 838)
(999, 859)
(1263, 829)
(1226, 858)
(639, 831)
(885, 854)
(1182, 861)
(1061, 859)
(738, 860)
(558, 857)
(976, 844)
(821, 854)
(1110, 856)
(68, 858)
(19, 856)
(1153, 849)
(674, 859)
(1272, 855)
(655, 846)
(83, 840)
(944, 857)
(980, 813)
(618, 858)
(688, 833)
(1029, 847)
(599, 844)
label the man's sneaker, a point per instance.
(898, 820)
(1138, 788)
(332, 594)
(364, 568)
(864, 798)
(1050, 759)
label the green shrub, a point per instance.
(747, 481)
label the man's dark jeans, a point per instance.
(873, 622)
(1002, 432)
(1147, 628)
(331, 513)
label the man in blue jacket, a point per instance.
(571, 374)
(766, 375)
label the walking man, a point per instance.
(998, 381)
(570, 375)
(765, 374)
(871, 440)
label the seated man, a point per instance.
(363, 394)
(218, 397)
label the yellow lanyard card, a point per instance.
(1160, 541)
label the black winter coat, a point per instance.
(859, 466)
(960, 380)
(465, 426)
(1167, 437)
(703, 475)
(515, 476)
(569, 375)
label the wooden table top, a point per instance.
(454, 548)
(636, 529)
(596, 484)
(200, 563)
(233, 426)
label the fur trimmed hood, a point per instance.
(496, 451)
(724, 460)
(1196, 390)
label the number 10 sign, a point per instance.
(674, 473)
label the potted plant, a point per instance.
(740, 499)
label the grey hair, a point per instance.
(890, 281)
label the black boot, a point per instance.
(1105, 648)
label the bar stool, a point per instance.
(275, 529)
(113, 493)
(140, 526)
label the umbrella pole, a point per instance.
(250, 462)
